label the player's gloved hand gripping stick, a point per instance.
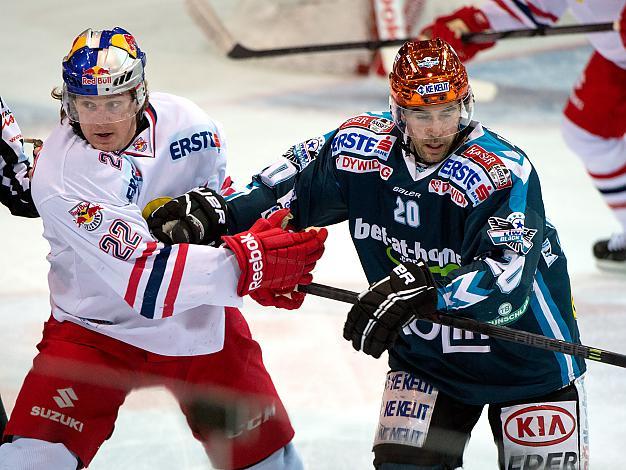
(499, 332)
(380, 312)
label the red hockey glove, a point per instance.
(375, 321)
(449, 28)
(281, 298)
(271, 257)
(622, 26)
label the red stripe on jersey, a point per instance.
(135, 275)
(602, 176)
(619, 205)
(502, 5)
(177, 276)
(545, 14)
(227, 187)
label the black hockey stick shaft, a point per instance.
(500, 332)
(478, 38)
(240, 51)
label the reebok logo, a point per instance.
(66, 398)
(255, 258)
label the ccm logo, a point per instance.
(255, 258)
(538, 426)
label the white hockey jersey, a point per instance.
(514, 14)
(107, 273)
(14, 166)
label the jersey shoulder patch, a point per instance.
(303, 153)
(366, 135)
(376, 123)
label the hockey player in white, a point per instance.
(595, 116)
(14, 167)
(128, 311)
(14, 181)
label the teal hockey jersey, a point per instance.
(476, 218)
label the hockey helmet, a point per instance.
(103, 65)
(425, 75)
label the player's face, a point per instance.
(433, 129)
(108, 122)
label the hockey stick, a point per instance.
(500, 332)
(478, 38)
(239, 51)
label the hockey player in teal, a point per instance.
(445, 215)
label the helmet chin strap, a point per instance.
(409, 149)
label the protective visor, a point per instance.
(433, 121)
(105, 109)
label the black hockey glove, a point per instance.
(198, 217)
(374, 322)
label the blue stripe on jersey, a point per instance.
(552, 325)
(612, 190)
(249, 188)
(527, 12)
(148, 304)
(518, 195)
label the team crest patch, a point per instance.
(511, 232)
(140, 145)
(87, 215)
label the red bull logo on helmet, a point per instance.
(96, 75)
(126, 42)
(87, 215)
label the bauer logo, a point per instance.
(540, 425)
(432, 88)
(195, 142)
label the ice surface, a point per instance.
(331, 392)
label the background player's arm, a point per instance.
(497, 16)
(14, 167)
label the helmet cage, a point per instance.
(433, 121)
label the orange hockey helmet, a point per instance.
(426, 73)
(431, 101)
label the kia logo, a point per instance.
(538, 426)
